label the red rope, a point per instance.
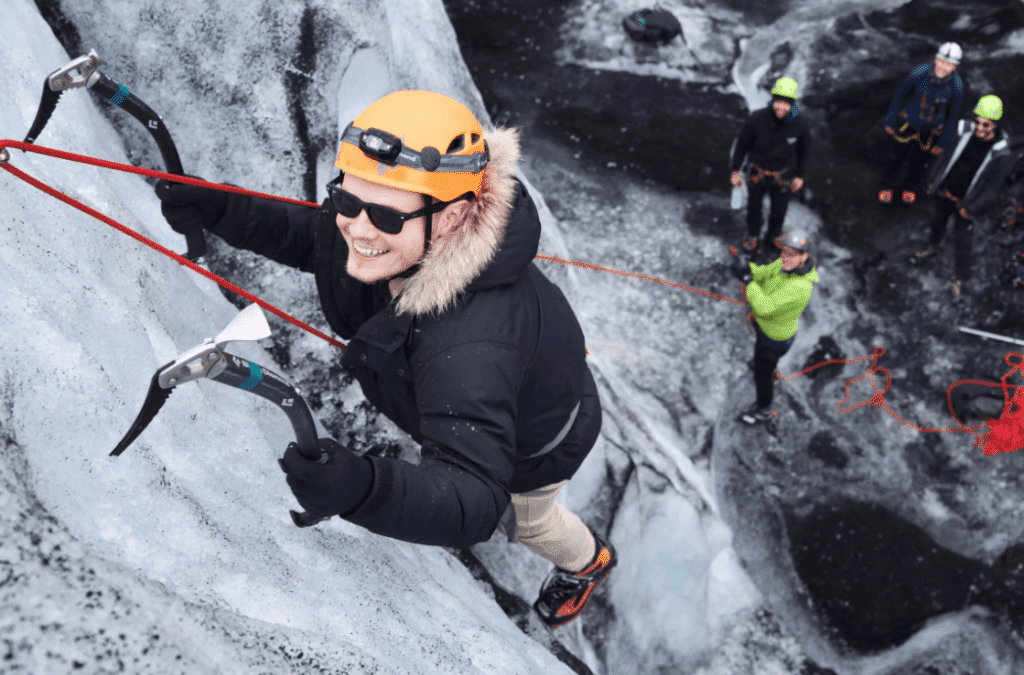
(599, 268)
(84, 159)
(127, 168)
(148, 242)
(1005, 435)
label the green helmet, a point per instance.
(785, 86)
(990, 107)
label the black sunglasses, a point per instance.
(383, 218)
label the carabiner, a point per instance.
(61, 79)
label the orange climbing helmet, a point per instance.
(417, 141)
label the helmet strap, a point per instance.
(426, 243)
(430, 223)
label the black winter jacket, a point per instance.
(773, 144)
(483, 367)
(989, 180)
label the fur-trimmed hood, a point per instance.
(479, 252)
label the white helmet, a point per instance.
(799, 238)
(951, 52)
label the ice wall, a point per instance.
(180, 555)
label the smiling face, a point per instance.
(984, 129)
(943, 67)
(374, 255)
(792, 258)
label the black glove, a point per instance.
(336, 487)
(742, 272)
(190, 207)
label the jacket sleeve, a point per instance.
(459, 491)
(952, 112)
(744, 144)
(282, 232)
(994, 181)
(902, 97)
(762, 272)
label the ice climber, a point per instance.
(777, 294)
(921, 120)
(967, 181)
(776, 141)
(423, 260)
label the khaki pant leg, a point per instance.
(551, 530)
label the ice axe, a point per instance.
(209, 360)
(84, 72)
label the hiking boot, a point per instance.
(564, 595)
(909, 197)
(756, 415)
(885, 196)
(750, 245)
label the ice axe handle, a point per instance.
(313, 453)
(267, 384)
(114, 93)
(196, 241)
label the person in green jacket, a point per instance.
(777, 294)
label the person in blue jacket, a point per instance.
(921, 120)
(423, 257)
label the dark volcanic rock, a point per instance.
(875, 577)
(675, 133)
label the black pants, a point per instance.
(779, 195)
(906, 163)
(963, 231)
(767, 353)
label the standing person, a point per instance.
(423, 260)
(777, 294)
(921, 121)
(776, 140)
(967, 181)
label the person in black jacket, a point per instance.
(776, 140)
(967, 181)
(423, 260)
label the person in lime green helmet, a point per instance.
(967, 181)
(777, 294)
(775, 140)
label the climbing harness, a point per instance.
(760, 173)
(916, 136)
(89, 77)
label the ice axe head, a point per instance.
(249, 325)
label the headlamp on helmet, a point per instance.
(381, 145)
